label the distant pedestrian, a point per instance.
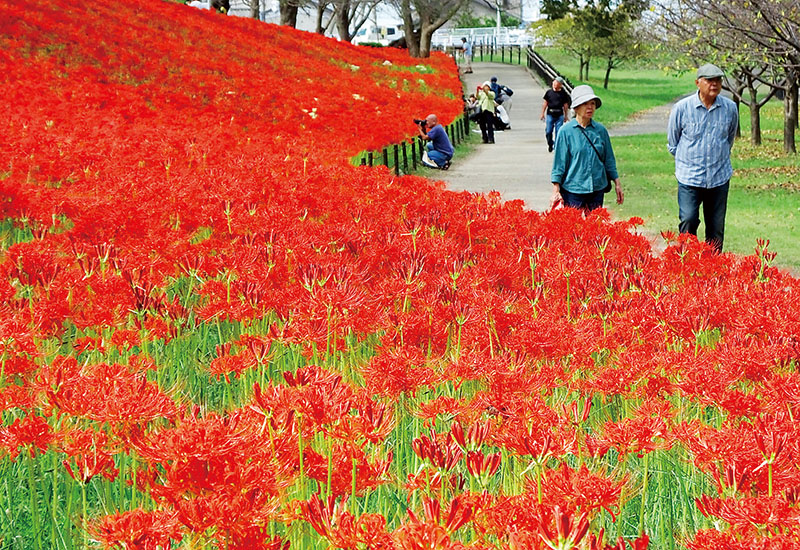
(555, 111)
(584, 165)
(700, 135)
(486, 118)
(466, 52)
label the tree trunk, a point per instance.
(790, 113)
(755, 116)
(581, 65)
(425, 35)
(412, 40)
(609, 66)
(343, 21)
(255, 9)
(320, 29)
(288, 14)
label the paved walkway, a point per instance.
(518, 164)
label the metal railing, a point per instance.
(491, 52)
(503, 36)
(545, 71)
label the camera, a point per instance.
(421, 123)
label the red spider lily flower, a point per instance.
(341, 528)
(459, 513)
(32, 432)
(441, 452)
(321, 396)
(580, 489)
(596, 542)
(137, 530)
(401, 370)
(373, 423)
(441, 406)
(422, 536)
(16, 397)
(345, 457)
(482, 466)
(773, 513)
(106, 393)
(92, 454)
(474, 438)
(428, 480)
(567, 533)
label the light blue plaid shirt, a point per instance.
(700, 139)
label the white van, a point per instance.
(377, 35)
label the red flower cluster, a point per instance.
(396, 365)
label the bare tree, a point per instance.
(739, 33)
(351, 15)
(421, 18)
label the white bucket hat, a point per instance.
(583, 93)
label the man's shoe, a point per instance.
(491, 141)
(549, 148)
(446, 165)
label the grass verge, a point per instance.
(631, 89)
(764, 200)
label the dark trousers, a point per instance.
(552, 125)
(584, 201)
(715, 204)
(486, 122)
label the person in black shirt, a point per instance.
(555, 111)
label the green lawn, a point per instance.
(630, 89)
(764, 201)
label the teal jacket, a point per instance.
(576, 166)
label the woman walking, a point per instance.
(584, 165)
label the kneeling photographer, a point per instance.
(439, 150)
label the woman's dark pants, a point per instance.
(486, 122)
(584, 201)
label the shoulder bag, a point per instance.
(607, 188)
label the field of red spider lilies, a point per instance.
(218, 333)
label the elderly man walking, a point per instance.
(700, 136)
(556, 110)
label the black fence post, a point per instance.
(386, 157)
(363, 161)
(519, 55)
(396, 160)
(370, 158)
(405, 159)
(502, 54)
(413, 154)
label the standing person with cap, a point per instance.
(700, 136)
(555, 111)
(584, 164)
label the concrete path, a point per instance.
(651, 121)
(518, 164)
